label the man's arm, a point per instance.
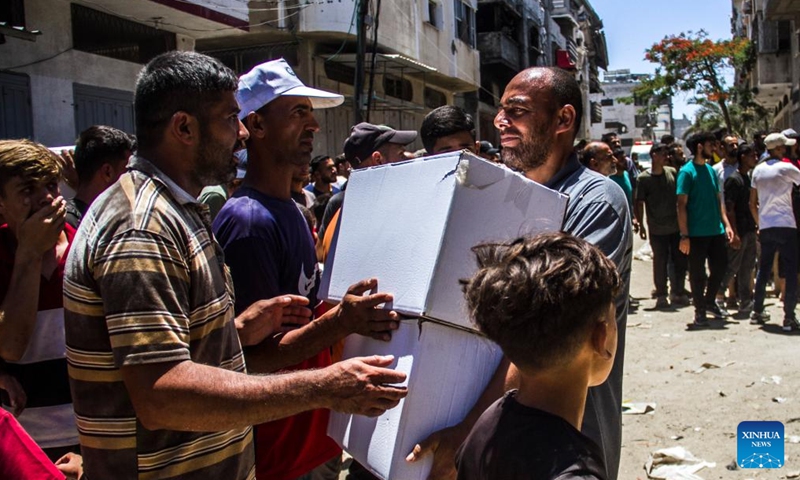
(724, 215)
(269, 317)
(150, 336)
(188, 396)
(355, 314)
(37, 236)
(683, 223)
(731, 192)
(754, 205)
(638, 212)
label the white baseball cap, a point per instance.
(775, 140)
(270, 80)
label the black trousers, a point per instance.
(705, 288)
(665, 247)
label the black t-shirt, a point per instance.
(513, 442)
(737, 192)
(76, 209)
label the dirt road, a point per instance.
(700, 410)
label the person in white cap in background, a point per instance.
(793, 153)
(771, 206)
(270, 250)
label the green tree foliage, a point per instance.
(746, 116)
(691, 62)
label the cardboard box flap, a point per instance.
(475, 173)
(409, 274)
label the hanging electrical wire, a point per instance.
(373, 64)
(349, 29)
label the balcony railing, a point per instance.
(499, 48)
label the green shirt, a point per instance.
(660, 200)
(701, 185)
(624, 181)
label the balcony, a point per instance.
(509, 5)
(771, 78)
(782, 9)
(498, 48)
(195, 18)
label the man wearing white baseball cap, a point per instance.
(771, 205)
(792, 152)
(269, 248)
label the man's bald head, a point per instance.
(556, 84)
(598, 156)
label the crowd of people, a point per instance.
(722, 216)
(165, 321)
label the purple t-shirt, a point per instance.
(268, 247)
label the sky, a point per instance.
(633, 26)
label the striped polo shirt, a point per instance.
(146, 283)
(42, 370)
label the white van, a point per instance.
(642, 149)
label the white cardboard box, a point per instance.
(412, 226)
(447, 371)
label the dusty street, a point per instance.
(700, 410)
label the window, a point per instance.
(774, 36)
(434, 98)
(607, 102)
(642, 121)
(465, 23)
(340, 72)
(12, 12)
(433, 15)
(398, 87)
(16, 118)
(102, 106)
(111, 36)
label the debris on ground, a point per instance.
(711, 366)
(773, 379)
(638, 408)
(779, 399)
(732, 466)
(675, 463)
(645, 253)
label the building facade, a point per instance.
(632, 119)
(66, 65)
(773, 71)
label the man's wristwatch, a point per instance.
(684, 237)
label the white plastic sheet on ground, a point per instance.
(675, 463)
(644, 253)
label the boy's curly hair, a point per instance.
(539, 297)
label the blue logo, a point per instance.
(760, 445)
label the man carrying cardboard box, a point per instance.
(270, 251)
(539, 118)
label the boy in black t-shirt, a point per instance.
(548, 301)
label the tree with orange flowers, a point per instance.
(692, 62)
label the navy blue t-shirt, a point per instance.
(268, 247)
